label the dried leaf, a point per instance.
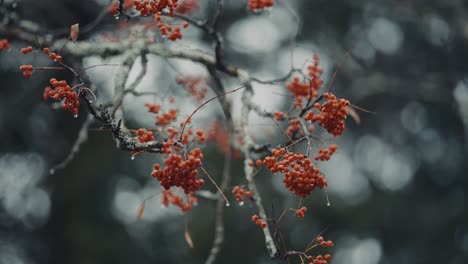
(188, 238)
(141, 210)
(74, 30)
(353, 114)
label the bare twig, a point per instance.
(82, 137)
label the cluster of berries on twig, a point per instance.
(61, 90)
(300, 175)
(26, 50)
(27, 70)
(239, 193)
(325, 154)
(180, 172)
(258, 221)
(162, 119)
(332, 114)
(307, 89)
(300, 213)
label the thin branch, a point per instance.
(82, 138)
(120, 90)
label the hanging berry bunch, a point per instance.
(307, 88)
(180, 172)
(300, 175)
(61, 90)
(332, 114)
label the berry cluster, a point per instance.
(315, 73)
(26, 50)
(61, 91)
(4, 44)
(300, 175)
(260, 222)
(319, 259)
(171, 33)
(300, 89)
(300, 213)
(332, 114)
(52, 55)
(239, 192)
(146, 7)
(257, 163)
(325, 154)
(166, 118)
(307, 88)
(278, 116)
(162, 119)
(153, 108)
(259, 5)
(145, 136)
(27, 70)
(294, 127)
(200, 135)
(180, 172)
(321, 241)
(196, 86)
(169, 197)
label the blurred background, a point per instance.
(397, 187)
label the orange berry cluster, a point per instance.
(4, 44)
(200, 135)
(153, 108)
(145, 136)
(259, 5)
(278, 115)
(325, 154)
(260, 222)
(61, 91)
(27, 70)
(52, 55)
(196, 86)
(301, 89)
(239, 192)
(171, 33)
(332, 114)
(162, 119)
(180, 172)
(146, 7)
(294, 127)
(27, 50)
(186, 137)
(258, 163)
(300, 175)
(319, 259)
(315, 73)
(169, 197)
(321, 241)
(300, 213)
(166, 118)
(307, 88)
